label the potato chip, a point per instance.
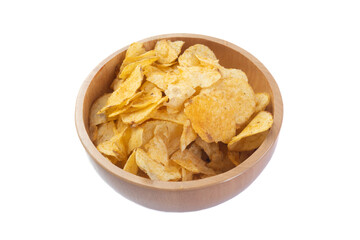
(160, 78)
(186, 175)
(135, 49)
(128, 60)
(188, 135)
(162, 114)
(239, 96)
(99, 103)
(105, 132)
(171, 134)
(141, 115)
(135, 139)
(130, 165)
(190, 162)
(125, 91)
(234, 157)
(124, 107)
(147, 98)
(113, 147)
(168, 51)
(212, 118)
(188, 58)
(261, 100)
(157, 150)
(253, 134)
(232, 73)
(126, 72)
(178, 93)
(200, 76)
(155, 170)
(116, 83)
(212, 150)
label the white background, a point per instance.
(309, 190)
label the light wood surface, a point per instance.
(191, 195)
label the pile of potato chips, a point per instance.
(175, 117)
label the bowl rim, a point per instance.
(187, 185)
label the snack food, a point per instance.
(178, 117)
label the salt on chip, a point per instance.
(191, 162)
(188, 58)
(253, 134)
(141, 115)
(188, 135)
(125, 91)
(155, 170)
(130, 165)
(168, 51)
(98, 104)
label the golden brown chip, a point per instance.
(186, 175)
(147, 98)
(128, 60)
(105, 132)
(128, 69)
(191, 162)
(99, 103)
(171, 134)
(232, 73)
(114, 148)
(168, 51)
(212, 150)
(124, 107)
(199, 76)
(155, 170)
(212, 118)
(234, 157)
(253, 134)
(157, 150)
(135, 139)
(188, 135)
(163, 114)
(142, 114)
(135, 49)
(188, 58)
(262, 100)
(125, 91)
(130, 165)
(178, 93)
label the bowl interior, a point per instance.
(229, 55)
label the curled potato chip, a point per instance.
(114, 148)
(188, 135)
(99, 103)
(130, 165)
(160, 78)
(141, 115)
(189, 57)
(135, 49)
(171, 134)
(138, 58)
(234, 157)
(124, 107)
(191, 162)
(168, 51)
(155, 170)
(212, 150)
(125, 91)
(135, 139)
(253, 134)
(116, 83)
(128, 69)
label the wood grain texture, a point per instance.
(192, 195)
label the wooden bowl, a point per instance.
(191, 195)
